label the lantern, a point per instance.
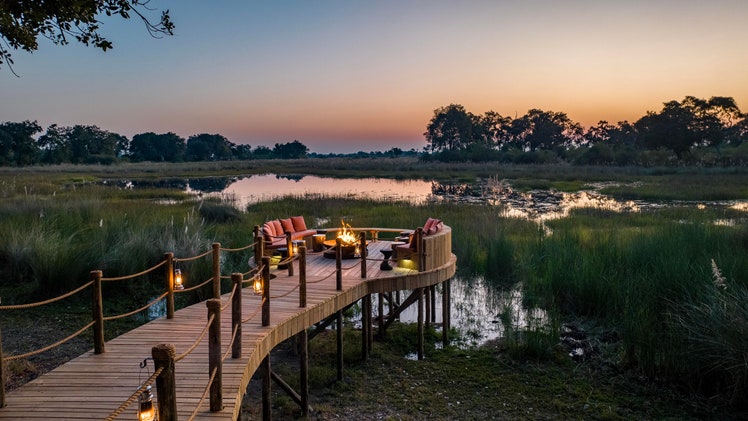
(146, 411)
(257, 285)
(178, 281)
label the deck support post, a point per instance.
(215, 361)
(266, 291)
(365, 326)
(427, 305)
(445, 311)
(302, 275)
(166, 387)
(420, 323)
(432, 294)
(380, 319)
(2, 374)
(362, 252)
(339, 360)
(266, 397)
(338, 264)
(169, 257)
(303, 341)
(98, 312)
(217, 270)
(236, 315)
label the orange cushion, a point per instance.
(277, 227)
(287, 225)
(268, 229)
(435, 227)
(427, 225)
(298, 223)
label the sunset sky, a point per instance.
(344, 76)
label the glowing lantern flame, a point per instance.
(346, 235)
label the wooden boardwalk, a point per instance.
(92, 386)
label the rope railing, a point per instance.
(255, 270)
(231, 343)
(252, 316)
(48, 347)
(205, 394)
(135, 275)
(149, 305)
(134, 397)
(192, 288)
(197, 342)
(49, 301)
(272, 297)
(248, 246)
(189, 259)
(228, 301)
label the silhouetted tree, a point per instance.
(90, 144)
(17, 143)
(290, 150)
(262, 152)
(241, 152)
(55, 145)
(208, 147)
(450, 129)
(22, 22)
(154, 147)
(546, 130)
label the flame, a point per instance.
(346, 234)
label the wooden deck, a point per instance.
(93, 386)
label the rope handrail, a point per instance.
(199, 339)
(251, 316)
(123, 315)
(135, 275)
(135, 395)
(240, 248)
(205, 393)
(49, 301)
(272, 297)
(322, 279)
(231, 343)
(255, 270)
(192, 288)
(289, 259)
(189, 259)
(48, 347)
(228, 301)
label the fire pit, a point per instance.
(348, 241)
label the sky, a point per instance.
(347, 76)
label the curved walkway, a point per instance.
(92, 386)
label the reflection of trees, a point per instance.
(460, 190)
(293, 177)
(164, 183)
(211, 184)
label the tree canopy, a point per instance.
(22, 22)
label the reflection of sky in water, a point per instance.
(475, 309)
(258, 188)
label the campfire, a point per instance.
(346, 234)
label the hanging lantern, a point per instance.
(257, 285)
(147, 412)
(178, 281)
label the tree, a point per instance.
(450, 129)
(166, 147)
(208, 147)
(22, 22)
(290, 150)
(670, 129)
(17, 144)
(54, 145)
(90, 145)
(547, 130)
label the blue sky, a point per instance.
(343, 76)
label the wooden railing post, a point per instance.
(266, 291)
(302, 276)
(2, 374)
(166, 387)
(236, 315)
(259, 245)
(217, 270)
(289, 247)
(169, 257)
(98, 312)
(362, 251)
(214, 354)
(338, 264)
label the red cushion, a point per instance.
(435, 227)
(298, 223)
(287, 225)
(428, 224)
(277, 227)
(268, 229)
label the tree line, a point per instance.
(691, 131)
(21, 143)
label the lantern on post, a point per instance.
(257, 284)
(178, 280)
(147, 411)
